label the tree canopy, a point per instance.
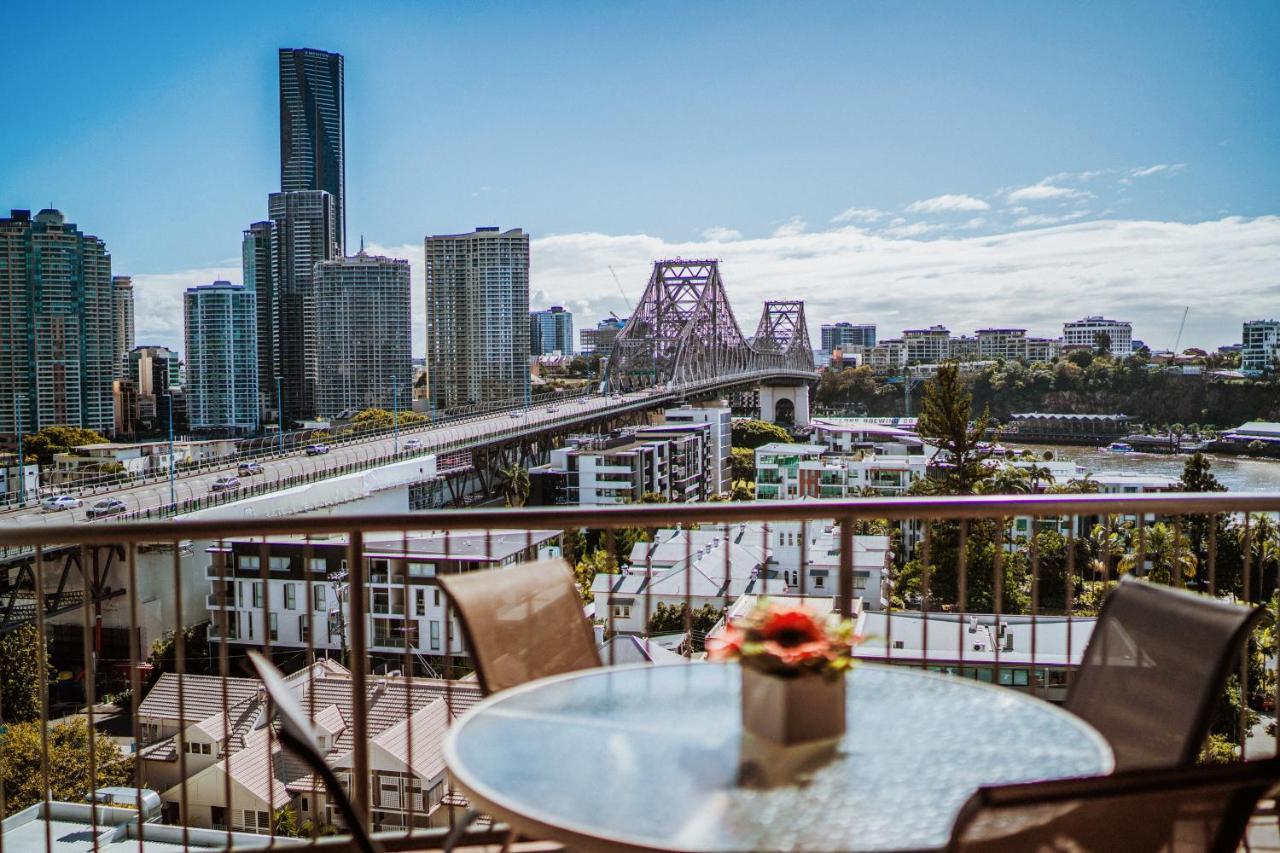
(20, 763)
(756, 433)
(58, 439)
(24, 673)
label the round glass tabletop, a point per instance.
(654, 757)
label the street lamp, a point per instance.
(280, 410)
(395, 416)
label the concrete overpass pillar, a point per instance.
(787, 405)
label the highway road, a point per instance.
(454, 435)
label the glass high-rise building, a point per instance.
(477, 317)
(122, 309)
(303, 234)
(551, 331)
(312, 128)
(363, 336)
(843, 335)
(57, 322)
(259, 264)
(221, 322)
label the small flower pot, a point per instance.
(804, 708)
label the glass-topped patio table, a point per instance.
(654, 757)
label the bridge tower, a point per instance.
(783, 401)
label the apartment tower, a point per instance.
(313, 128)
(363, 335)
(478, 317)
(222, 358)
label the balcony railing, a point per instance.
(962, 564)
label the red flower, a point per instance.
(792, 626)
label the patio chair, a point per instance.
(1203, 809)
(1154, 670)
(522, 623)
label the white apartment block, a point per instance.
(1043, 350)
(1260, 347)
(721, 438)
(927, 346)
(1007, 344)
(300, 597)
(1084, 333)
(813, 471)
(887, 356)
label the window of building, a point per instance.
(257, 595)
(422, 570)
(420, 602)
(621, 611)
(272, 626)
(435, 635)
(249, 564)
(280, 564)
(319, 565)
(291, 596)
(317, 598)
(304, 623)
(436, 597)
(819, 581)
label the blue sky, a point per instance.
(739, 129)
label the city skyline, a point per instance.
(1070, 211)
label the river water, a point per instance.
(1238, 474)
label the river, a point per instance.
(1238, 474)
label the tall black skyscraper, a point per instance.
(313, 128)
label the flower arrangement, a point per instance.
(787, 641)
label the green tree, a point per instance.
(24, 674)
(286, 821)
(743, 491)
(671, 619)
(383, 419)
(945, 422)
(742, 464)
(754, 433)
(1197, 476)
(58, 439)
(1160, 553)
(69, 776)
(586, 569)
(515, 484)
(1102, 343)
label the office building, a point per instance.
(599, 341)
(363, 337)
(927, 346)
(222, 358)
(477, 317)
(888, 355)
(1260, 347)
(551, 331)
(304, 234)
(258, 262)
(313, 128)
(1088, 332)
(612, 469)
(122, 321)
(1043, 350)
(844, 335)
(57, 310)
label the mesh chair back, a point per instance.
(1153, 670)
(1187, 810)
(523, 622)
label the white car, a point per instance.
(515, 414)
(413, 444)
(57, 503)
(551, 410)
(225, 484)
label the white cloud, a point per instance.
(947, 203)
(1147, 171)
(791, 228)
(859, 214)
(915, 229)
(1042, 192)
(1224, 269)
(1075, 176)
(1043, 219)
(719, 235)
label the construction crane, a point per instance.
(625, 301)
(1178, 342)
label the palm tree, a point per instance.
(515, 484)
(1166, 557)
(1037, 474)
(1007, 480)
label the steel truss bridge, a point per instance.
(683, 335)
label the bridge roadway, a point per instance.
(453, 436)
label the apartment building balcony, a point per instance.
(1032, 632)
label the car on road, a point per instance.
(317, 449)
(515, 414)
(551, 410)
(225, 484)
(57, 503)
(413, 444)
(104, 508)
(248, 469)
